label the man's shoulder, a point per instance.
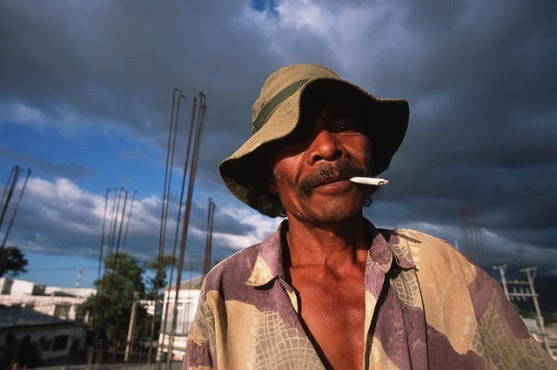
(419, 237)
(234, 269)
(427, 249)
(420, 240)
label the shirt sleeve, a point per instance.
(200, 343)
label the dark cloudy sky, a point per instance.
(85, 90)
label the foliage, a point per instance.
(125, 277)
(161, 265)
(12, 261)
(110, 308)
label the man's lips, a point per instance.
(330, 181)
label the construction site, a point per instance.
(75, 327)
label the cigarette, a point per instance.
(369, 181)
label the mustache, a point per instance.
(328, 172)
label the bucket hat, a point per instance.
(277, 114)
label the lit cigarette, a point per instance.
(369, 181)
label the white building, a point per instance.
(188, 299)
(44, 314)
(54, 301)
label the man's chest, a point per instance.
(333, 313)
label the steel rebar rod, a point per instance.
(9, 194)
(13, 172)
(128, 221)
(191, 184)
(12, 219)
(170, 148)
(180, 205)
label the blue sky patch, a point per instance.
(268, 6)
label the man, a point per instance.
(328, 289)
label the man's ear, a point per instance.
(271, 184)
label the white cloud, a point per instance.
(61, 189)
(58, 215)
(24, 113)
(261, 226)
(306, 14)
(347, 32)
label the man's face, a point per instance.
(311, 171)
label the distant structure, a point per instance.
(523, 290)
(78, 279)
(472, 243)
(117, 212)
(50, 300)
(46, 314)
(172, 343)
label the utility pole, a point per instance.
(131, 328)
(523, 294)
(531, 273)
(501, 269)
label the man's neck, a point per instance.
(330, 244)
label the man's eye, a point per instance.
(345, 126)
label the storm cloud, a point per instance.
(478, 159)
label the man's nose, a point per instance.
(325, 146)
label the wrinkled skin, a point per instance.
(327, 241)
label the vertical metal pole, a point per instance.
(164, 207)
(115, 210)
(13, 172)
(10, 224)
(179, 216)
(122, 217)
(6, 196)
(191, 184)
(128, 221)
(101, 284)
(102, 234)
(14, 176)
(209, 238)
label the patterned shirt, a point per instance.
(426, 307)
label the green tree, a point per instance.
(12, 261)
(110, 308)
(161, 265)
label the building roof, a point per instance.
(12, 317)
(193, 283)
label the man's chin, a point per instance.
(334, 214)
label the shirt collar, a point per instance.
(268, 264)
(385, 248)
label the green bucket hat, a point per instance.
(276, 115)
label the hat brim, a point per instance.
(386, 124)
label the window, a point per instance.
(45, 343)
(62, 310)
(60, 342)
